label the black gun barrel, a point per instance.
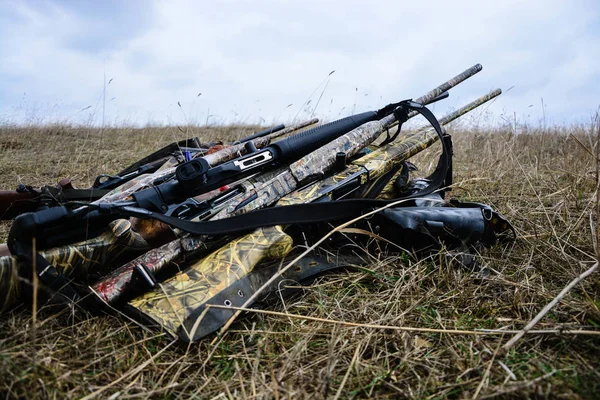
(304, 142)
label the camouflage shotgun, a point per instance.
(227, 276)
(113, 287)
(367, 171)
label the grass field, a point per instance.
(544, 182)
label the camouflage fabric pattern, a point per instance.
(389, 190)
(93, 256)
(324, 187)
(118, 284)
(80, 261)
(172, 301)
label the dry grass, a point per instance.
(543, 182)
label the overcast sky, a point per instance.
(247, 61)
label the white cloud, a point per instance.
(251, 59)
